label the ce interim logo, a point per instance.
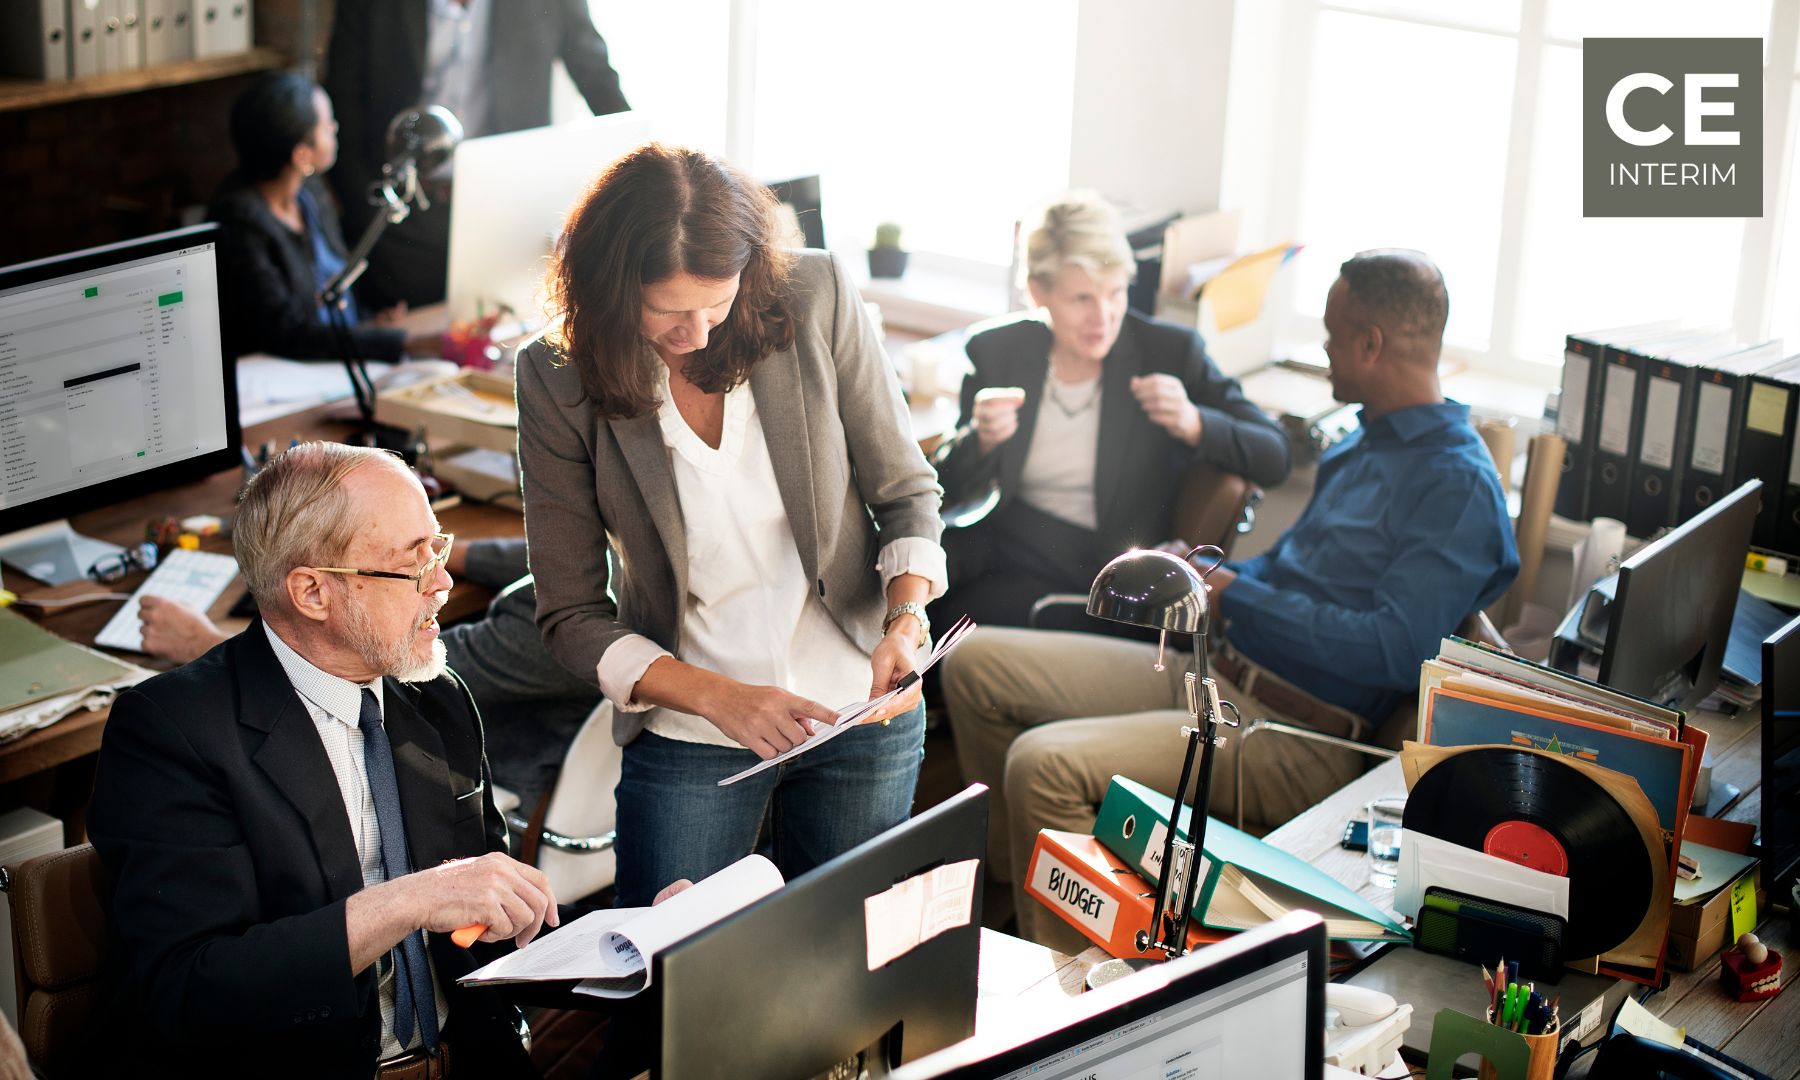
(1671, 127)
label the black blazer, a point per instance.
(220, 819)
(268, 291)
(376, 67)
(1138, 464)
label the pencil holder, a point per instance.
(1505, 1055)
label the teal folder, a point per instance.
(1244, 882)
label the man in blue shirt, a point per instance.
(1406, 534)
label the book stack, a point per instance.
(1660, 421)
(1104, 885)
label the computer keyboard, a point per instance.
(196, 578)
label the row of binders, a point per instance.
(56, 40)
(1660, 421)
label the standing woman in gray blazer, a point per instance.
(732, 529)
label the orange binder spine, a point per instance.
(1097, 893)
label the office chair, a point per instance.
(59, 937)
(570, 835)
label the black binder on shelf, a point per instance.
(1712, 426)
(1577, 412)
(1621, 375)
(1766, 441)
(1667, 394)
(1787, 496)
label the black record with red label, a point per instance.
(1548, 815)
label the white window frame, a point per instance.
(1760, 251)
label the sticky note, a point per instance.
(1743, 906)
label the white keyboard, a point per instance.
(196, 578)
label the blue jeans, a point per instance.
(674, 820)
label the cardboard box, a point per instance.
(469, 408)
(1701, 929)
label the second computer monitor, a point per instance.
(1670, 619)
(512, 193)
(785, 987)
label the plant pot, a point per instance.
(887, 262)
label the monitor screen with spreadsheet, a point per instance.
(1253, 1005)
(112, 380)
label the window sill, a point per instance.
(937, 294)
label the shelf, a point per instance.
(17, 94)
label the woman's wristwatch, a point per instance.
(912, 608)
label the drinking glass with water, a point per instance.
(1385, 815)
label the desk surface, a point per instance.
(79, 734)
(1758, 1033)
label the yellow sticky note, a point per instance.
(1767, 412)
(1743, 906)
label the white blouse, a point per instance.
(751, 612)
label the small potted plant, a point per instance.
(887, 259)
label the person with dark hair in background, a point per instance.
(1085, 415)
(1405, 535)
(732, 529)
(488, 62)
(281, 241)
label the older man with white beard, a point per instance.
(297, 820)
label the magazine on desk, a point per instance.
(610, 951)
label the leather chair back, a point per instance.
(59, 939)
(1212, 506)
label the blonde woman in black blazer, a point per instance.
(732, 530)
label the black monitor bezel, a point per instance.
(1621, 626)
(808, 937)
(803, 194)
(173, 474)
(1774, 679)
(1200, 972)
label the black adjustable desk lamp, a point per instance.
(418, 142)
(1160, 591)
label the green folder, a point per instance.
(36, 664)
(1245, 882)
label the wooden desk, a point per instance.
(78, 735)
(1759, 1033)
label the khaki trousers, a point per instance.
(1045, 719)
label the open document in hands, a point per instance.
(851, 715)
(611, 950)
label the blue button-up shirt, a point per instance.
(1406, 534)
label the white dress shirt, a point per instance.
(335, 705)
(751, 612)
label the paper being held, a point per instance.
(851, 715)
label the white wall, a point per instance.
(1150, 95)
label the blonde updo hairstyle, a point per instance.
(1078, 228)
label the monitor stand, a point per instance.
(53, 553)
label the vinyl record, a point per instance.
(1537, 811)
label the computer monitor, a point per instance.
(1670, 619)
(1781, 757)
(1253, 1005)
(513, 192)
(800, 202)
(783, 987)
(112, 383)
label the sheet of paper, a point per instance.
(1426, 861)
(918, 909)
(1743, 907)
(628, 949)
(572, 952)
(851, 715)
(1717, 869)
(1645, 1024)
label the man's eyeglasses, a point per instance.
(440, 554)
(114, 567)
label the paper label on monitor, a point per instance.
(1571, 407)
(1068, 892)
(1711, 424)
(1151, 862)
(902, 918)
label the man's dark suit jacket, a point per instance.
(376, 67)
(1138, 464)
(268, 287)
(217, 812)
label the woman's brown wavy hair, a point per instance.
(656, 212)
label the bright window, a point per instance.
(1787, 252)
